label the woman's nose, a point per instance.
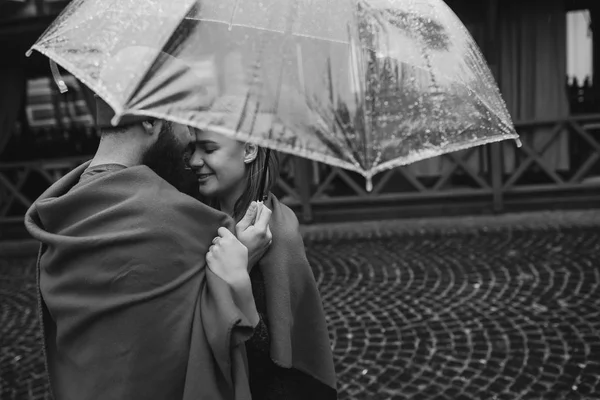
(196, 161)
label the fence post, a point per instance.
(496, 174)
(302, 183)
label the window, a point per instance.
(580, 64)
(579, 46)
(41, 108)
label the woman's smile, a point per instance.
(202, 178)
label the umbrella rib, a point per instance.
(303, 35)
(362, 88)
(338, 122)
(265, 171)
(235, 7)
(345, 132)
(248, 94)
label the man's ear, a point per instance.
(250, 152)
(153, 127)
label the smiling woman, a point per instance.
(289, 355)
(228, 171)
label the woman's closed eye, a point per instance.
(207, 147)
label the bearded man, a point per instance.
(128, 308)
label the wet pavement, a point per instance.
(451, 311)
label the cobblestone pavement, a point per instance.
(22, 374)
(505, 313)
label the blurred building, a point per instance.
(545, 55)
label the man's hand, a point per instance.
(254, 233)
(228, 258)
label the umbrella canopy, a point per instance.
(365, 85)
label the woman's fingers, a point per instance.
(262, 220)
(248, 219)
(259, 207)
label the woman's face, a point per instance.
(218, 162)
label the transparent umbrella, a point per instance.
(366, 85)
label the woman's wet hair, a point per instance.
(254, 173)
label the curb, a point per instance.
(543, 220)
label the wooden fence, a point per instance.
(558, 158)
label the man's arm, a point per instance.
(228, 259)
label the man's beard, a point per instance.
(166, 157)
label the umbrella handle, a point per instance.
(262, 196)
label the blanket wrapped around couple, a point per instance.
(297, 325)
(129, 309)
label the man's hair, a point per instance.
(117, 130)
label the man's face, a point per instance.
(168, 157)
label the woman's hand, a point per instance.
(254, 232)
